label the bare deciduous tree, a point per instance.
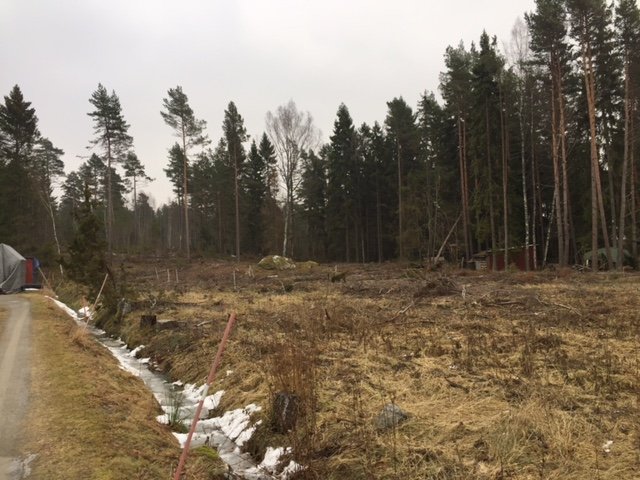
(291, 131)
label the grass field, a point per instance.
(516, 375)
(88, 418)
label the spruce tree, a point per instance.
(402, 135)
(255, 180)
(18, 136)
(86, 263)
(313, 190)
(341, 201)
(271, 211)
(235, 134)
(134, 172)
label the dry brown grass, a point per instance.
(89, 419)
(520, 375)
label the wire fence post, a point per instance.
(210, 378)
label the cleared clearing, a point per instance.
(518, 375)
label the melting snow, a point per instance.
(228, 432)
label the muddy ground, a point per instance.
(510, 375)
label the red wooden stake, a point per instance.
(212, 374)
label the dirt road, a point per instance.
(14, 377)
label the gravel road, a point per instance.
(14, 378)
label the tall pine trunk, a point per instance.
(492, 223)
(400, 206)
(555, 129)
(596, 188)
(185, 194)
(237, 201)
(505, 179)
(625, 163)
(463, 188)
(524, 179)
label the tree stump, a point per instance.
(148, 321)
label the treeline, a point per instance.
(532, 144)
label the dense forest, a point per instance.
(533, 143)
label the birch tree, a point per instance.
(290, 131)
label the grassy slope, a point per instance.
(89, 419)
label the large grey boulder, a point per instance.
(391, 416)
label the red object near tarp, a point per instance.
(28, 277)
(32, 273)
(517, 257)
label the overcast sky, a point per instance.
(258, 53)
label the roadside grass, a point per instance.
(3, 318)
(513, 375)
(88, 418)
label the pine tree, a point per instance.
(584, 18)
(628, 37)
(111, 135)
(179, 116)
(47, 168)
(455, 85)
(547, 26)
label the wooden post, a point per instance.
(210, 378)
(99, 293)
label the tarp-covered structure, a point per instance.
(13, 268)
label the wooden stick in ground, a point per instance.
(99, 293)
(446, 239)
(45, 279)
(210, 378)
